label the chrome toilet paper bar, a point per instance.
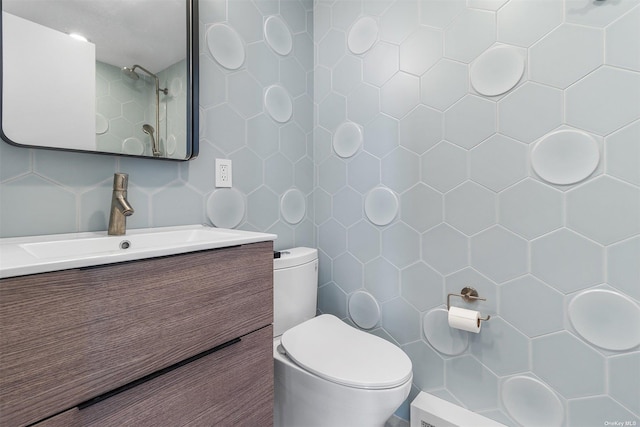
(468, 294)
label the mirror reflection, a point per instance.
(110, 76)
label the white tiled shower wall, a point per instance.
(470, 208)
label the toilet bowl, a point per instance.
(327, 373)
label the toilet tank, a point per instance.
(295, 288)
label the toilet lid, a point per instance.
(337, 352)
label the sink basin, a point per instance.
(136, 240)
(38, 254)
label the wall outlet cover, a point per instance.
(224, 173)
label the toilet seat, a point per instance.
(337, 352)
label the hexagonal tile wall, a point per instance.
(34, 219)
(497, 70)
(499, 254)
(446, 340)
(346, 75)
(421, 207)
(566, 54)
(567, 261)
(347, 139)
(277, 35)
(381, 206)
(381, 63)
(522, 23)
(445, 249)
(518, 109)
(584, 411)
(586, 13)
(435, 14)
(625, 392)
(498, 162)
(401, 320)
(293, 206)
(399, 95)
(398, 21)
(382, 279)
(422, 286)
(364, 310)
(457, 161)
(544, 304)
(400, 169)
(226, 46)
(623, 155)
(530, 208)
(348, 272)
(362, 35)
(226, 208)
(623, 268)
(531, 402)
(511, 356)
(565, 371)
(614, 216)
(615, 328)
(565, 157)
(428, 365)
(444, 84)
(457, 43)
(470, 208)
(277, 102)
(421, 129)
(470, 121)
(425, 41)
(471, 382)
(617, 99)
(400, 245)
(444, 167)
(623, 41)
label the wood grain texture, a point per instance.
(231, 387)
(68, 336)
(70, 418)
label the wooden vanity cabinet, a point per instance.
(184, 340)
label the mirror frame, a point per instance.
(193, 86)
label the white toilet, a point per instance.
(328, 373)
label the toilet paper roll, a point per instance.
(467, 320)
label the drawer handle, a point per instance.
(155, 374)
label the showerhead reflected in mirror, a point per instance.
(133, 75)
(130, 72)
(99, 95)
(148, 129)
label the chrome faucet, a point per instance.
(120, 207)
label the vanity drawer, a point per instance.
(230, 387)
(68, 336)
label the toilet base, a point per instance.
(304, 399)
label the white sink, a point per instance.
(77, 245)
(38, 254)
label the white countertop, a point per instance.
(20, 256)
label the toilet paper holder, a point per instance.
(468, 294)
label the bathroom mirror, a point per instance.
(130, 87)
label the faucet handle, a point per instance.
(120, 181)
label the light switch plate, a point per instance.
(223, 173)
